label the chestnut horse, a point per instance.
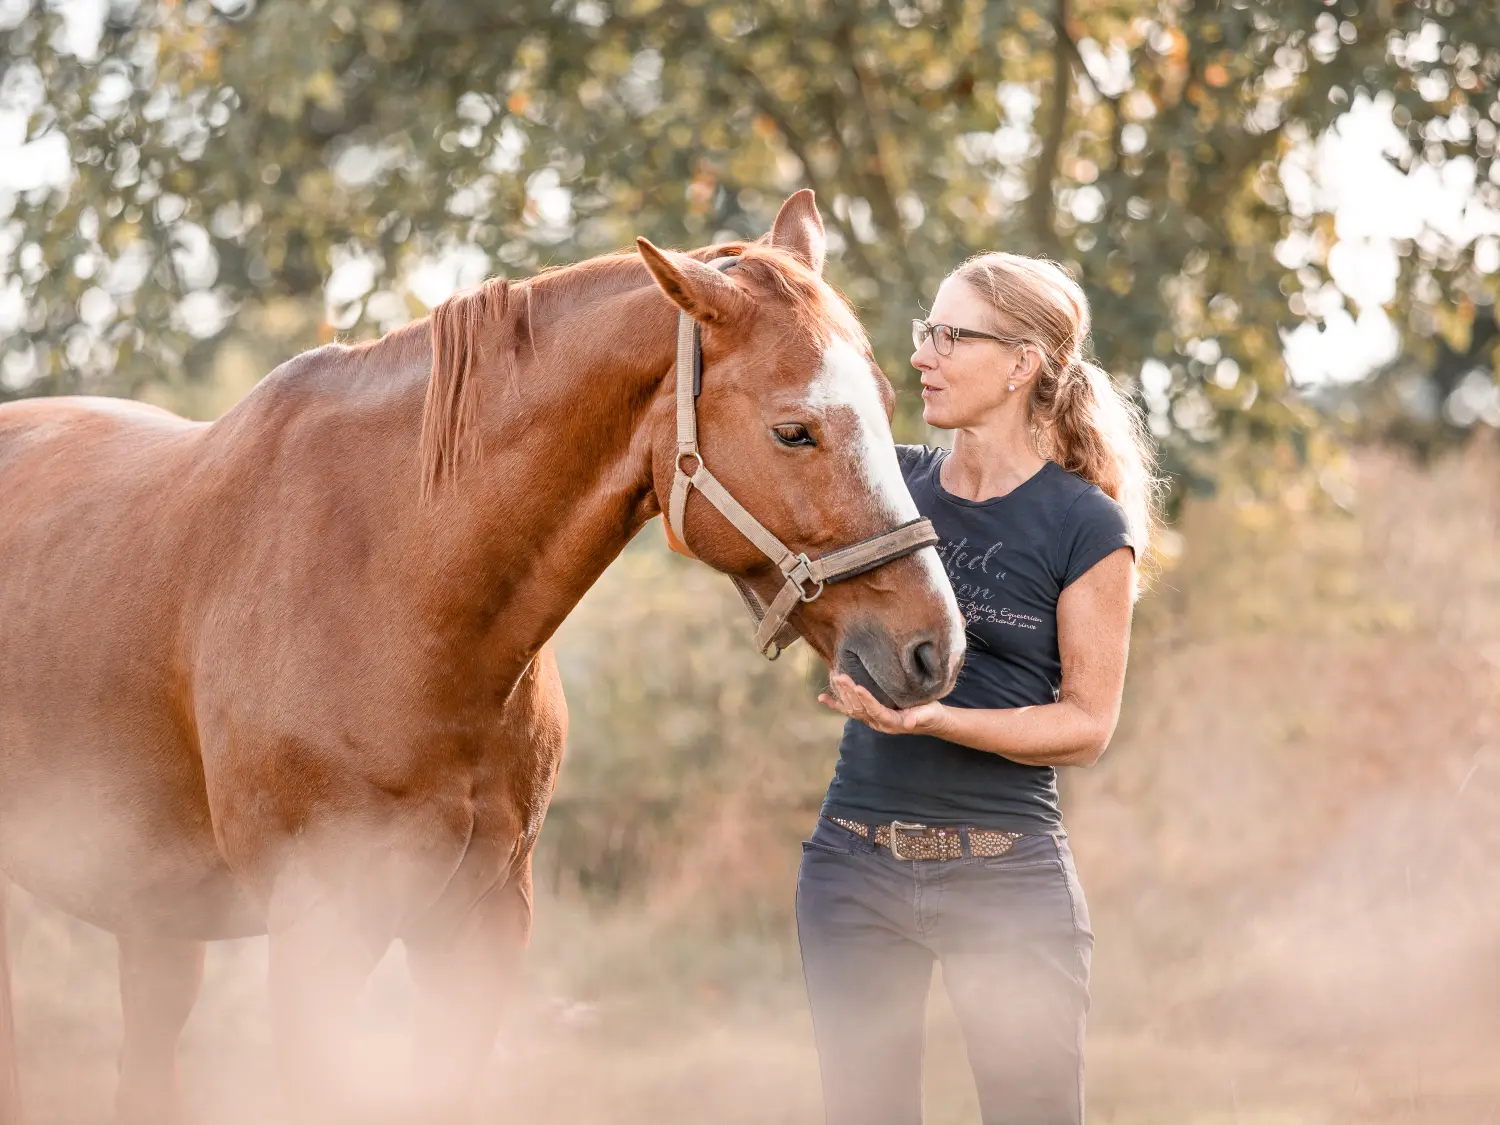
(288, 672)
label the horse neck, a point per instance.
(566, 418)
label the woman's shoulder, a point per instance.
(1084, 502)
(1078, 494)
(916, 460)
(1092, 524)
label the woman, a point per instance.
(941, 838)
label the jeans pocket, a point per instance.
(1082, 924)
(834, 838)
(1030, 852)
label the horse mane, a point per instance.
(458, 328)
(452, 404)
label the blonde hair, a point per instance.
(1080, 419)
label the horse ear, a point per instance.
(701, 291)
(798, 229)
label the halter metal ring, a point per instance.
(698, 457)
(804, 564)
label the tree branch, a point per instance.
(796, 140)
(1046, 165)
(1118, 119)
(891, 180)
(1070, 45)
(885, 157)
(770, 105)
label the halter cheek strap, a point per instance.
(805, 577)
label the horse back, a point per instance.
(89, 488)
(95, 730)
(32, 422)
(77, 476)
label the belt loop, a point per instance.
(967, 846)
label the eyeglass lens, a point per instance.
(942, 336)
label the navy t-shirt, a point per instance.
(1008, 559)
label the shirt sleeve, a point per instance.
(911, 457)
(1094, 528)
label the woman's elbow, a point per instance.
(1094, 744)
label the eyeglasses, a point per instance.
(944, 336)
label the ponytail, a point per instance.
(1096, 432)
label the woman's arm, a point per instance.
(1093, 637)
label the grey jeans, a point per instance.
(1012, 934)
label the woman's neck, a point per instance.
(992, 458)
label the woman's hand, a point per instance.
(848, 698)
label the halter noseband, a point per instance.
(805, 577)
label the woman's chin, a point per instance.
(935, 416)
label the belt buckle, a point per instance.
(899, 826)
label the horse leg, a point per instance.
(320, 958)
(10, 1085)
(462, 982)
(159, 981)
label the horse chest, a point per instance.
(417, 813)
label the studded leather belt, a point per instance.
(921, 841)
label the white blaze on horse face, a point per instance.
(846, 382)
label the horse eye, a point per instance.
(793, 435)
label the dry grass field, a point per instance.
(1292, 855)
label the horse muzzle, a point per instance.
(901, 671)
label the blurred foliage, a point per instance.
(679, 731)
(224, 154)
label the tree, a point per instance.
(223, 155)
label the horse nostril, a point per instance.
(922, 660)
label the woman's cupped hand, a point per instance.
(849, 698)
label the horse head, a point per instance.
(792, 415)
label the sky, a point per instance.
(1345, 172)
(1374, 204)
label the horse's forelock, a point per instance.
(816, 307)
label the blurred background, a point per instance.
(1287, 217)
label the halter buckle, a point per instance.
(804, 579)
(800, 575)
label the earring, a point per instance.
(1012, 386)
